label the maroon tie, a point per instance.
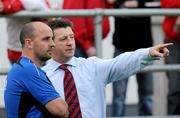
(70, 93)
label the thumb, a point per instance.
(157, 54)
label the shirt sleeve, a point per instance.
(40, 87)
(123, 66)
(12, 6)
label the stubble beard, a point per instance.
(44, 57)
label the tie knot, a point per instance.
(63, 67)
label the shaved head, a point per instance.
(28, 31)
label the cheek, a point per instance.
(60, 45)
(59, 48)
(74, 43)
(36, 46)
(41, 47)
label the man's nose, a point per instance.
(69, 41)
(52, 44)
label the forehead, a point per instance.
(63, 31)
(43, 30)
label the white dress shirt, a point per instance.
(91, 76)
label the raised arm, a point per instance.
(129, 63)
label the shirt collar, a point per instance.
(54, 65)
(25, 59)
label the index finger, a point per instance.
(165, 45)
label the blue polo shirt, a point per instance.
(27, 91)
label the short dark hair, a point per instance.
(60, 23)
(26, 32)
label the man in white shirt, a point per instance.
(91, 75)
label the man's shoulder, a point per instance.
(82, 59)
(26, 68)
(90, 61)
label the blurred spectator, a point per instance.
(130, 34)
(84, 26)
(14, 25)
(171, 27)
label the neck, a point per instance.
(33, 58)
(61, 60)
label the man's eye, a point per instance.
(72, 37)
(46, 39)
(61, 39)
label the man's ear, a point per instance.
(28, 43)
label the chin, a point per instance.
(44, 59)
(69, 55)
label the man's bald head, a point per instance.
(28, 31)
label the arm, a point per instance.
(58, 108)
(129, 63)
(170, 3)
(11, 6)
(38, 85)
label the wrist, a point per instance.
(65, 115)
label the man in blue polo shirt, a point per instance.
(29, 93)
